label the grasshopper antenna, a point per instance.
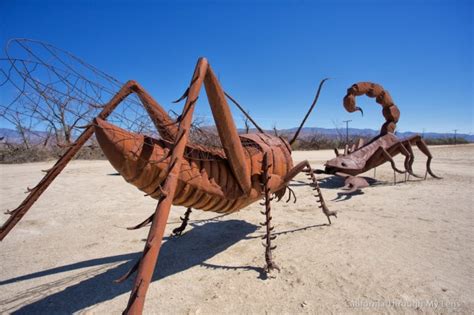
(309, 111)
(244, 112)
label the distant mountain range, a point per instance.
(307, 131)
(13, 136)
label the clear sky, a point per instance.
(270, 55)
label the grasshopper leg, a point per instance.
(184, 222)
(268, 237)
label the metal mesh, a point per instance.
(49, 95)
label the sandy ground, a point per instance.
(406, 248)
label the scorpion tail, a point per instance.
(390, 110)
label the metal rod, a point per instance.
(244, 112)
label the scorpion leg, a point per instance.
(408, 152)
(424, 148)
(184, 222)
(346, 150)
(406, 163)
(381, 153)
(403, 150)
(268, 237)
(388, 157)
(353, 148)
(407, 145)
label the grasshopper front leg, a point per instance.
(235, 156)
(184, 222)
(304, 166)
(268, 237)
(148, 261)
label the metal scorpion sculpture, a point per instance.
(361, 158)
(249, 167)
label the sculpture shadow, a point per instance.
(335, 182)
(177, 254)
(343, 196)
(261, 271)
(330, 182)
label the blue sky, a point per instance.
(270, 55)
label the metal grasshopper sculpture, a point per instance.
(172, 170)
(361, 158)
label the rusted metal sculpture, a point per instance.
(174, 171)
(361, 158)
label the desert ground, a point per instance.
(404, 248)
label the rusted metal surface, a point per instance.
(381, 149)
(147, 262)
(175, 171)
(268, 237)
(184, 222)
